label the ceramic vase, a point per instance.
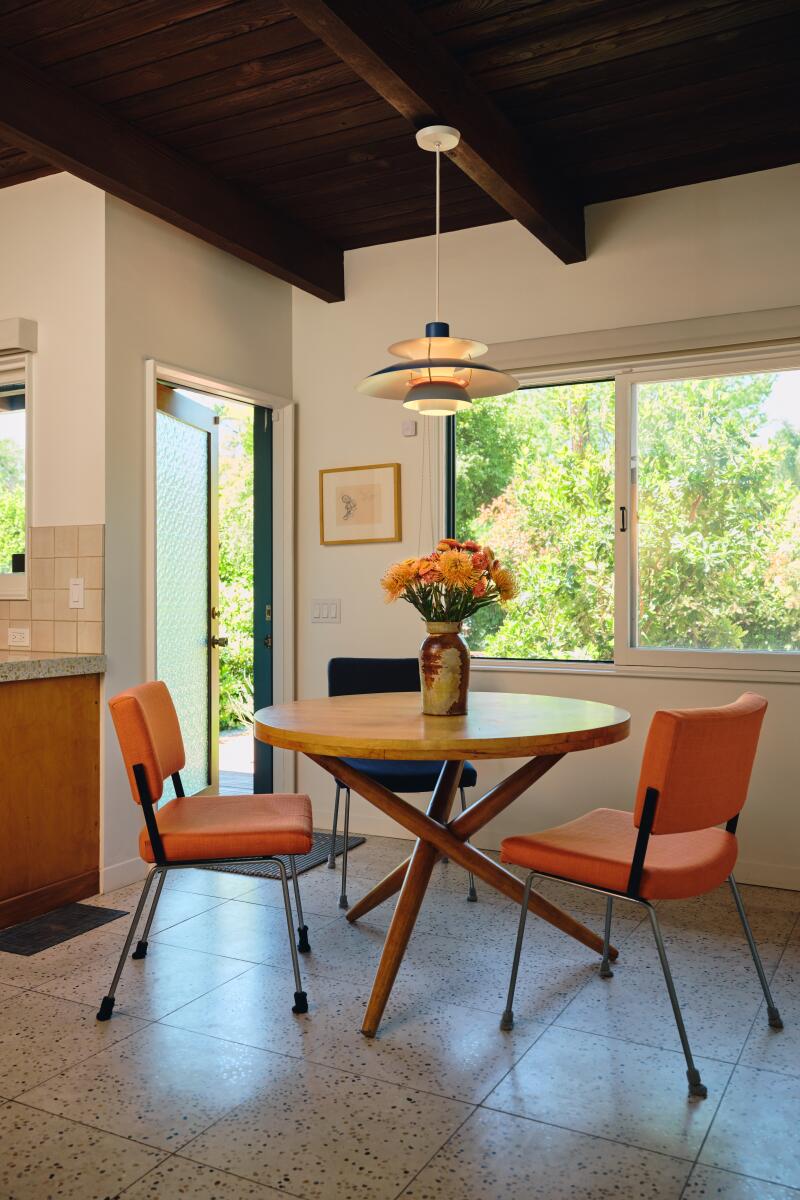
(444, 670)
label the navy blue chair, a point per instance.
(362, 676)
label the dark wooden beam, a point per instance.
(391, 49)
(70, 132)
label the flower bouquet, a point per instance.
(446, 587)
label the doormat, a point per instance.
(305, 862)
(53, 928)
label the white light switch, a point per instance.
(76, 592)
(19, 639)
(408, 427)
(326, 612)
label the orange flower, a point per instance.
(448, 544)
(505, 583)
(471, 546)
(455, 567)
(480, 587)
(479, 561)
(398, 577)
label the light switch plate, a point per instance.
(19, 639)
(326, 612)
(408, 427)
(76, 599)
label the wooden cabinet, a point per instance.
(49, 794)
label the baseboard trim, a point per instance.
(121, 874)
(17, 909)
(768, 875)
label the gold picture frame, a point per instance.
(357, 508)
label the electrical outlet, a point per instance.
(19, 639)
(326, 612)
(76, 593)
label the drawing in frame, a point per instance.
(359, 504)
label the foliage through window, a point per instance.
(713, 509)
(12, 474)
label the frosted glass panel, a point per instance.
(182, 585)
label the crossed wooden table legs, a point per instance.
(438, 836)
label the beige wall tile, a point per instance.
(92, 605)
(90, 637)
(61, 608)
(66, 541)
(42, 635)
(90, 540)
(42, 541)
(42, 604)
(3, 634)
(42, 572)
(3, 610)
(92, 571)
(65, 569)
(65, 636)
(19, 610)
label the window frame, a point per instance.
(17, 586)
(629, 659)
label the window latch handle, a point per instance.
(623, 518)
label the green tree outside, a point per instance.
(718, 517)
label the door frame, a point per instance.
(283, 530)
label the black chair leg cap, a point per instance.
(507, 1020)
(774, 1016)
(472, 896)
(106, 1008)
(344, 902)
(300, 1003)
(303, 944)
(605, 971)
(696, 1086)
(140, 951)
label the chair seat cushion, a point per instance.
(211, 827)
(406, 776)
(598, 849)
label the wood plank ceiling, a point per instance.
(609, 98)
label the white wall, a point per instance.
(52, 251)
(173, 298)
(715, 248)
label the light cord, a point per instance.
(438, 222)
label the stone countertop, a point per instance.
(38, 664)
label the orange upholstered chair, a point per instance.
(197, 831)
(694, 779)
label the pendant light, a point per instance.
(438, 376)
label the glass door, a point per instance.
(187, 603)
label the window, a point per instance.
(652, 519)
(13, 483)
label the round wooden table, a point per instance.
(390, 725)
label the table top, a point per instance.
(391, 725)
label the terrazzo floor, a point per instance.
(204, 1084)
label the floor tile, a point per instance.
(40, 1036)
(707, 1183)
(614, 1089)
(495, 1154)
(755, 1129)
(209, 883)
(325, 1135)
(150, 987)
(176, 1178)
(248, 932)
(779, 1049)
(440, 1048)
(319, 891)
(43, 1157)
(162, 1086)
(21, 971)
(173, 905)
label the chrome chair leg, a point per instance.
(696, 1085)
(605, 965)
(343, 901)
(141, 945)
(472, 895)
(332, 854)
(507, 1019)
(107, 1003)
(302, 929)
(300, 999)
(773, 1015)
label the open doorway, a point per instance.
(214, 580)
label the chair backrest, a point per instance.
(359, 676)
(148, 733)
(699, 760)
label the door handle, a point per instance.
(219, 641)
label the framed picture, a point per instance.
(359, 504)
